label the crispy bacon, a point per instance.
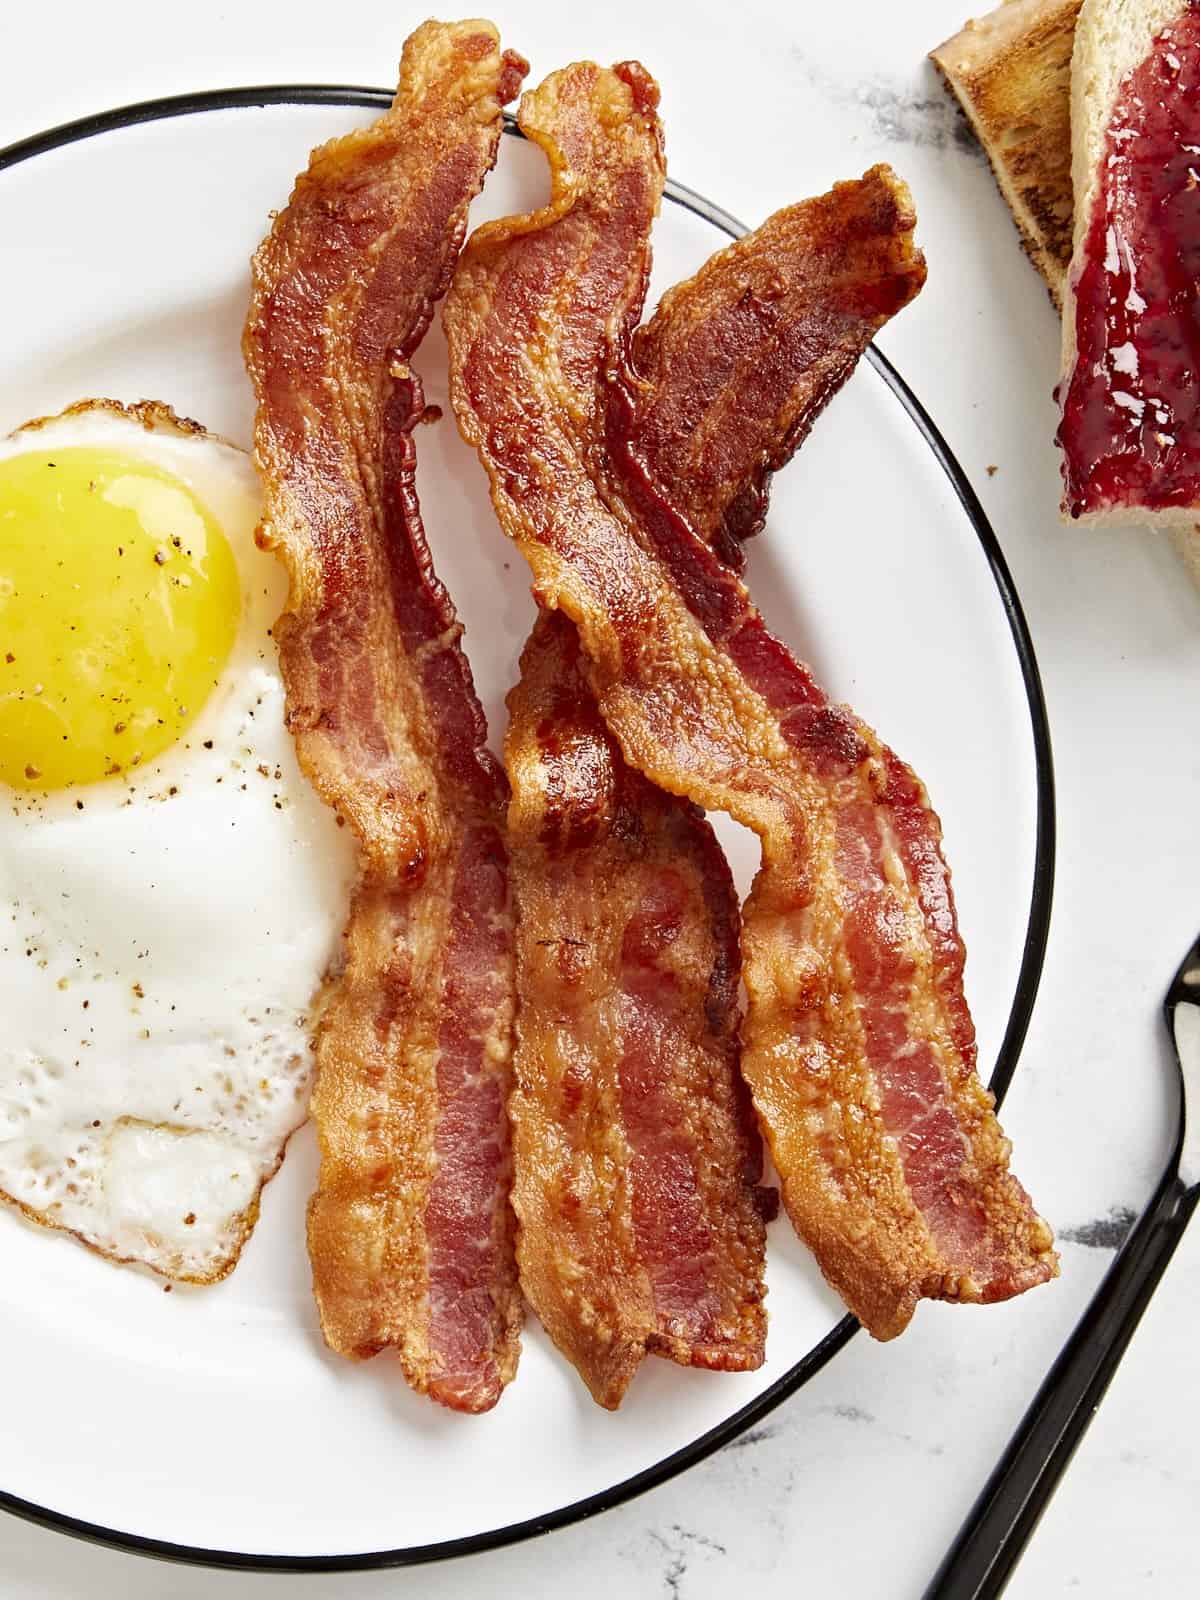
(410, 1231)
(738, 362)
(733, 368)
(859, 1048)
(635, 1152)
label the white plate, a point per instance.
(213, 1424)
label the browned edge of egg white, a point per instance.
(155, 416)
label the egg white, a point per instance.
(163, 948)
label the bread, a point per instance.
(1187, 542)
(1111, 38)
(1010, 71)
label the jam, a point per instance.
(1130, 429)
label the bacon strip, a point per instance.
(635, 1150)
(410, 1231)
(734, 367)
(738, 362)
(859, 1048)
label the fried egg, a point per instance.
(171, 890)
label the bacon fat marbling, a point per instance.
(859, 1047)
(410, 1230)
(732, 370)
(635, 1152)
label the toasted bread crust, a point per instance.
(1010, 72)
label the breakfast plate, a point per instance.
(211, 1424)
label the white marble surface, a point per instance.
(860, 1480)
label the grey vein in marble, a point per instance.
(753, 1436)
(679, 1544)
(899, 112)
(853, 1414)
(1102, 1233)
(933, 121)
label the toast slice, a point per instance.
(1112, 39)
(1011, 73)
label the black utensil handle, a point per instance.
(981, 1560)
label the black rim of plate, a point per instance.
(1029, 976)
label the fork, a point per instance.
(981, 1560)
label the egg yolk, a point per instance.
(119, 603)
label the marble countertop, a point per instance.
(863, 1477)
